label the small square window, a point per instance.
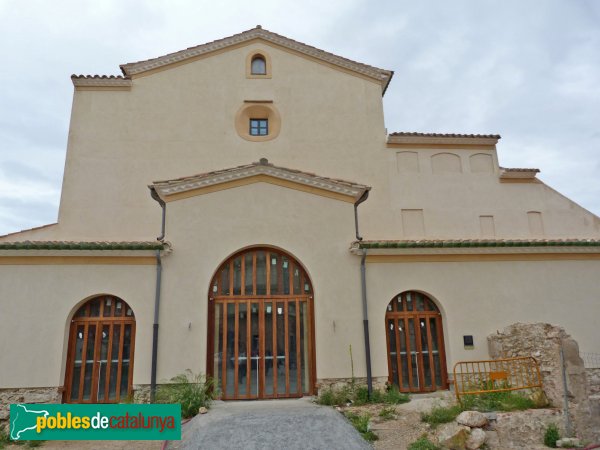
(259, 127)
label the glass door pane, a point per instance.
(391, 332)
(304, 344)
(114, 362)
(89, 362)
(425, 368)
(125, 362)
(269, 352)
(414, 366)
(103, 363)
(255, 359)
(404, 353)
(218, 345)
(77, 362)
(242, 350)
(437, 365)
(282, 365)
(292, 348)
(228, 389)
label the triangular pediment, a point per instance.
(258, 172)
(258, 34)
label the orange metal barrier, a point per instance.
(496, 375)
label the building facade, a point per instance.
(290, 227)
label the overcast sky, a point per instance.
(528, 70)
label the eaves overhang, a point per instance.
(477, 249)
(405, 138)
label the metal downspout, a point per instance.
(363, 282)
(157, 298)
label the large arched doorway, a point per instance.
(415, 343)
(100, 352)
(261, 326)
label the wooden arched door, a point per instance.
(100, 353)
(261, 327)
(415, 344)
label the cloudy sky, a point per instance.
(528, 70)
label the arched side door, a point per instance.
(261, 327)
(100, 352)
(415, 344)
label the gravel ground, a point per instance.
(270, 424)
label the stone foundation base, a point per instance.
(141, 393)
(25, 395)
(338, 383)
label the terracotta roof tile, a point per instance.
(435, 243)
(83, 245)
(446, 135)
(517, 169)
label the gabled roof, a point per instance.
(381, 75)
(261, 171)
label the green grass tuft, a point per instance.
(551, 436)
(423, 443)
(498, 401)
(190, 390)
(361, 423)
(388, 413)
(441, 414)
(358, 395)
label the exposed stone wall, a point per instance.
(593, 377)
(25, 395)
(141, 393)
(544, 341)
(522, 429)
(338, 383)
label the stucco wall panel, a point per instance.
(37, 303)
(478, 298)
(206, 229)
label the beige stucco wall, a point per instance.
(206, 229)
(180, 121)
(36, 306)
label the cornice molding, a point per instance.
(437, 140)
(203, 181)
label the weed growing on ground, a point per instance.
(423, 443)
(387, 413)
(188, 389)
(441, 414)
(358, 395)
(361, 423)
(497, 401)
(551, 436)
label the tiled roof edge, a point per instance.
(446, 135)
(100, 80)
(475, 243)
(82, 245)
